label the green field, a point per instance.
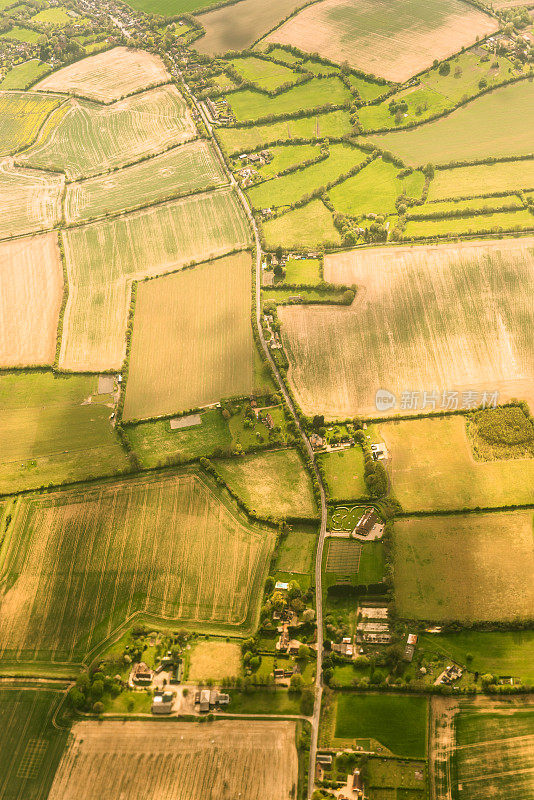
(467, 181)
(184, 352)
(265, 74)
(309, 226)
(23, 75)
(295, 552)
(21, 116)
(78, 564)
(284, 156)
(31, 744)
(375, 190)
(49, 435)
(247, 104)
(103, 257)
(494, 652)
(470, 568)
(457, 226)
(302, 270)
(21, 35)
(398, 723)
(183, 170)
(55, 16)
(432, 468)
(169, 8)
(289, 188)
(272, 483)
(316, 126)
(496, 124)
(85, 138)
(421, 103)
(486, 204)
(343, 471)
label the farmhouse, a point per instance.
(409, 650)
(162, 703)
(141, 674)
(369, 523)
(204, 701)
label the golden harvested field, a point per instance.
(192, 340)
(470, 568)
(30, 201)
(214, 660)
(452, 317)
(226, 759)
(388, 38)
(83, 138)
(182, 170)
(76, 565)
(232, 29)
(21, 117)
(482, 178)
(31, 290)
(104, 257)
(107, 76)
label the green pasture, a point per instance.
(55, 16)
(522, 219)
(26, 35)
(303, 270)
(169, 8)
(283, 296)
(375, 189)
(496, 652)
(343, 471)
(284, 156)
(309, 226)
(295, 552)
(249, 105)
(489, 204)
(22, 75)
(265, 74)
(482, 178)
(422, 102)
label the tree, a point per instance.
(279, 253)
(76, 698)
(269, 584)
(254, 663)
(296, 683)
(98, 707)
(348, 297)
(318, 421)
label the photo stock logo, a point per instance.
(434, 400)
(384, 400)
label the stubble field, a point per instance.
(385, 38)
(469, 568)
(21, 117)
(107, 76)
(224, 760)
(451, 317)
(31, 290)
(84, 138)
(192, 340)
(104, 257)
(30, 201)
(78, 564)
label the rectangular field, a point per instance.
(107, 76)
(498, 222)
(466, 568)
(467, 181)
(31, 745)
(496, 652)
(383, 37)
(473, 336)
(183, 170)
(192, 340)
(375, 189)
(344, 473)
(309, 226)
(249, 759)
(31, 290)
(343, 555)
(78, 564)
(21, 116)
(248, 104)
(31, 201)
(84, 138)
(104, 257)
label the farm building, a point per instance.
(162, 703)
(369, 523)
(409, 650)
(141, 675)
(204, 705)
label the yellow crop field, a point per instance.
(227, 759)
(104, 257)
(107, 76)
(482, 178)
(192, 341)
(78, 564)
(31, 289)
(21, 117)
(449, 317)
(30, 201)
(83, 138)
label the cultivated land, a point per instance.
(31, 290)
(30, 201)
(248, 104)
(214, 660)
(21, 116)
(107, 76)
(271, 483)
(309, 226)
(385, 38)
(473, 567)
(50, 434)
(183, 170)
(230, 757)
(192, 340)
(228, 30)
(375, 189)
(497, 124)
(482, 178)
(31, 746)
(196, 561)
(104, 257)
(472, 337)
(84, 138)
(432, 468)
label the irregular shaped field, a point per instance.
(107, 76)
(104, 257)
(182, 170)
(497, 124)
(468, 181)
(192, 340)
(309, 226)
(469, 568)
(31, 290)
(237, 758)
(375, 189)
(21, 116)
(443, 317)
(30, 200)
(432, 468)
(84, 139)
(248, 104)
(392, 39)
(266, 74)
(51, 433)
(78, 564)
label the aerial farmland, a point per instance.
(266, 400)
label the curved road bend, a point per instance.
(309, 449)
